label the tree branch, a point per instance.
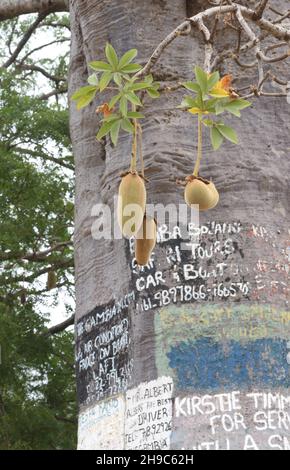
(56, 92)
(60, 326)
(184, 28)
(36, 68)
(55, 25)
(37, 255)
(33, 153)
(11, 8)
(25, 38)
(23, 59)
(65, 263)
(260, 10)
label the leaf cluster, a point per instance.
(119, 76)
(212, 97)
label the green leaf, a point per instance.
(133, 98)
(117, 77)
(139, 86)
(85, 100)
(212, 80)
(229, 133)
(233, 109)
(207, 122)
(210, 105)
(112, 117)
(127, 125)
(84, 95)
(148, 78)
(199, 101)
(201, 78)
(131, 68)
(123, 105)
(111, 56)
(220, 106)
(105, 129)
(235, 106)
(192, 87)
(188, 102)
(153, 93)
(83, 91)
(135, 115)
(216, 138)
(242, 103)
(105, 80)
(126, 76)
(114, 100)
(127, 58)
(114, 132)
(100, 66)
(93, 80)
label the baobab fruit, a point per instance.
(145, 240)
(51, 280)
(131, 204)
(201, 192)
(23, 296)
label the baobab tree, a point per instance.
(192, 350)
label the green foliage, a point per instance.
(37, 392)
(37, 383)
(118, 74)
(213, 96)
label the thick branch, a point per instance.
(34, 256)
(33, 153)
(13, 8)
(56, 41)
(56, 25)
(260, 10)
(25, 38)
(36, 68)
(275, 30)
(65, 263)
(56, 92)
(60, 326)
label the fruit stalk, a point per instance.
(140, 150)
(199, 145)
(134, 145)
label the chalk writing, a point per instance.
(103, 360)
(235, 420)
(101, 426)
(104, 314)
(148, 420)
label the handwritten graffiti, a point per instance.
(234, 420)
(103, 359)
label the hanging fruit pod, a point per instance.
(131, 203)
(145, 240)
(201, 192)
(51, 280)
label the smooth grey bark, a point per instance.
(254, 190)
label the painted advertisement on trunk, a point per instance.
(208, 324)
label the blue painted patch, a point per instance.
(207, 365)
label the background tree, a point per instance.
(37, 380)
(230, 333)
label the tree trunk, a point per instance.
(193, 350)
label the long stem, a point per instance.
(140, 149)
(199, 146)
(134, 144)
